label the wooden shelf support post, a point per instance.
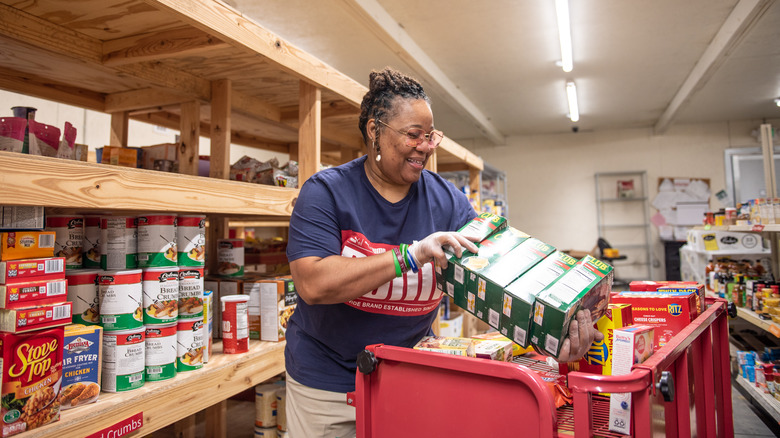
(220, 129)
(120, 123)
(216, 420)
(189, 147)
(309, 131)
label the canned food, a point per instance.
(120, 295)
(191, 292)
(123, 360)
(191, 240)
(189, 337)
(83, 293)
(157, 240)
(118, 243)
(160, 288)
(235, 324)
(230, 257)
(161, 352)
(69, 231)
(90, 246)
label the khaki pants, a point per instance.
(314, 413)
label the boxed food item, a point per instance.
(668, 312)
(21, 271)
(493, 349)
(16, 245)
(585, 286)
(598, 359)
(697, 289)
(21, 218)
(32, 378)
(120, 156)
(632, 345)
(519, 297)
(440, 344)
(18, 295)
(726, 241)
(456, 275)
(35, 318)
(272, 302)
(81, 365)
(516, 349)
(672, 286)
(165, 151)
(485, 286)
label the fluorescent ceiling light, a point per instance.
(777, 101)
(564, 34)
(571, 95)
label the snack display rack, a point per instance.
(442, 395)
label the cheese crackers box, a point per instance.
(81, 365)
(585, 286)
(272, 302)
(17, 245)
(23, 271)
(519, 297)
(485, 286)
(632, 345)
(668, 312)
(440, 344)
(598, 359)
(31, 380)
(456, 275)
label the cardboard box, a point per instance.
(697, 289)
(21, 218)
(35, 318)
(22, 271)
(213, 284)
(35, 293)
(454, 277)
(17, 245)
(272, 302)
(520, 296)
(81, 365)
(452, 327)
(725, 241)
(633, 344)
(585, 286)
(486, 285)
(493, 349)
(668, 312)
(120, 156)
(672, 286)
(25, 389)
(440, 344)
(165, 151)
(516, 349)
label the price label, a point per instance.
(122, 428)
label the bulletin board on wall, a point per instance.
(681, 203)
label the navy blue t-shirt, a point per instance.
(338, 212)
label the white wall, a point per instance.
(550, 178)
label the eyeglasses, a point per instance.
(415, 137)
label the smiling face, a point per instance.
(400, 165)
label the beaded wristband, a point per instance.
(398, 272)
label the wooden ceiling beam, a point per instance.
(159, 45)
(144, 98)
(32, 85)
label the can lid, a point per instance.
(235, 298)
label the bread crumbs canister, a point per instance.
(90, 246)
(120, 299)
(124, 354)
(160, 287)
(69, 232)
(161, 352)
(189, 337)
(230, 257)
(235, 324)
(118, 243)
(157, 240)
(191, 292)
(191, 240)
(83, 293)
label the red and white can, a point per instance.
(235, 324)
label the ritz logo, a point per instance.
(675, 309)
(598, 354)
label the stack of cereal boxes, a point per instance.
(33, 311)
(522, 286)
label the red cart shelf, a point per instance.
(683, 390)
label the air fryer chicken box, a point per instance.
(455, 276)
(585, 286)
(486, 286)
(668, 312)
(520, 296)
(272, 302)
(81, 365)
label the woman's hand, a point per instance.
(431, 248)
(581, 335)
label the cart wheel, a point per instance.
(732, 310)
(666, 386)
(366, 362)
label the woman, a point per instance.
(357, 284)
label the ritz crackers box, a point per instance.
(81, 365)
(520, 296)
(585, 286)
(487, 285)
(451, 277)
(668, 312)
(672, 286)
(32, 377)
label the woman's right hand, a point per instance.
(431, 248)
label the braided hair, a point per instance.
(384, 86)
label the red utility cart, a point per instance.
(682, 390)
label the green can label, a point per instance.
(161, 352)
(123, 360)
(189, 339)
(191, 240)
(120, 299)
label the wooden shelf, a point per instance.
(753, 318)
(770, 405)
(51, 182)
(166, 402)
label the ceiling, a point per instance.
(490, 66)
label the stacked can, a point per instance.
(190, 329)
(83, 293)
(118, 243)
(69, 241)
(157, 240)
(160, 287)
(191, 240)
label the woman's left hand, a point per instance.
(582, 334)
